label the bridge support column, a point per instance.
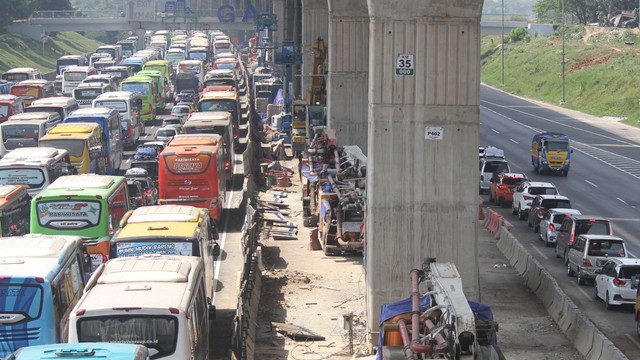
(422, 183)
(347, 81)
(140, 34)
(315, 24)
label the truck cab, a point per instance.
(551, 153)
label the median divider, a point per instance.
(494, 221)
(582, 332)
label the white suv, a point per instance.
(524, 194)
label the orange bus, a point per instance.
(33, 89)
(193, 175)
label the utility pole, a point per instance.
(502, 47)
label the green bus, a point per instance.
(163, 66)
(161, 86)
(88, 205)
(146, 87)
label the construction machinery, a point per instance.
(334, 193)
(438, 324)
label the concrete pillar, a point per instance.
(140, 34)
(422, 188)
(347, 82)
(315, 24)
(278, 9)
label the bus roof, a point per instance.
(28, 153)
(85, 181)
(9, 97)
(156, 62)
(138, 78)
(77, 128)
(9, 192)
(195, 139)
(21, 70)
(39, 82)
(164, 213)
(117, 95)
(158, 282)
(74, 57)
(36, 115)
(53, 101)
(210, 115)
(156, 232)
(34, 255)
(78, 68)
(97, 111)
(232, 95)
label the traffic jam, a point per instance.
(113, 182)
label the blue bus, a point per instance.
(134, 63)
(82, 351)
(41, 279)
(109, 120)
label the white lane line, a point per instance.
(622, 201)
(582, 291)
(633, 340)
(495, 131)
(539, 252)
(222, 240)
(513, 141)
(590, 183)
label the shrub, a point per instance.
(518, 34)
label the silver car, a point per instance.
(166, 133)
(589, 253)
(550, 223)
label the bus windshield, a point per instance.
(194, 129)
(15, 77)
(194, 69)
(4, 110)
(182, 247)
(74, 75)
(198, 55)
(33, 177)
(74, 146)
(218, 105)
(65, 214)
(84, 94)
(20, 131)
(143, 89)
(21, 299)
(119, 105)
(159, 333)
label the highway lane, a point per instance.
(602, 181)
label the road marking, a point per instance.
(540, 252)
(622, 201)
(590, 183)
(634, 341)
(582, 291)
(222, 241)
(495, 131)
(513, 141)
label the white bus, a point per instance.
(34, 167)
(25, 129)
(73, 75)
(154, 300)
(85, 93)
(128, 105)
(195, 67)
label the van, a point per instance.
(108, 79)
(84, 143)
(576, 225)
(10, 105)
(589, 253)
(23, 73)
(35, 167)
(82, 351)
(119, 72)
(160, 297)
(24, 130)
(129, 105)
(47, 274)
(62, 105)
(492, 164)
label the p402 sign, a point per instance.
(404, 64)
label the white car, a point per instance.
(551, 221)
(617, 282)
(166, 133)
(524, 194)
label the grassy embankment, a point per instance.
(602, 71)
(18, 51)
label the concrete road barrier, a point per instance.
(586, 337)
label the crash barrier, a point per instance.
(494, 221)
(586, 337)
(244, 335)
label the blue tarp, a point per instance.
(389, 310)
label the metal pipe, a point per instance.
(415, 305)
(406, 342)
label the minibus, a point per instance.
(119, 72)
(15, 204)
(62, 105)
(34, 167)
(163, 88)
(82, 351)
(85, 144)
(46, 275)
(24, 130)
(85, 93)
(10, 105)
(23, 73)
(158, 301)
(31, 90)
(128, 105)
(88, 205)
(109, 120)
(144, 86)
(73, 75)
(65, 61)
(195, 67)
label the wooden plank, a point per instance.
(296, 332)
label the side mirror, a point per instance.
(212, 312)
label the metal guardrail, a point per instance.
(74, 14)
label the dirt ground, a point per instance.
(308, 289)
